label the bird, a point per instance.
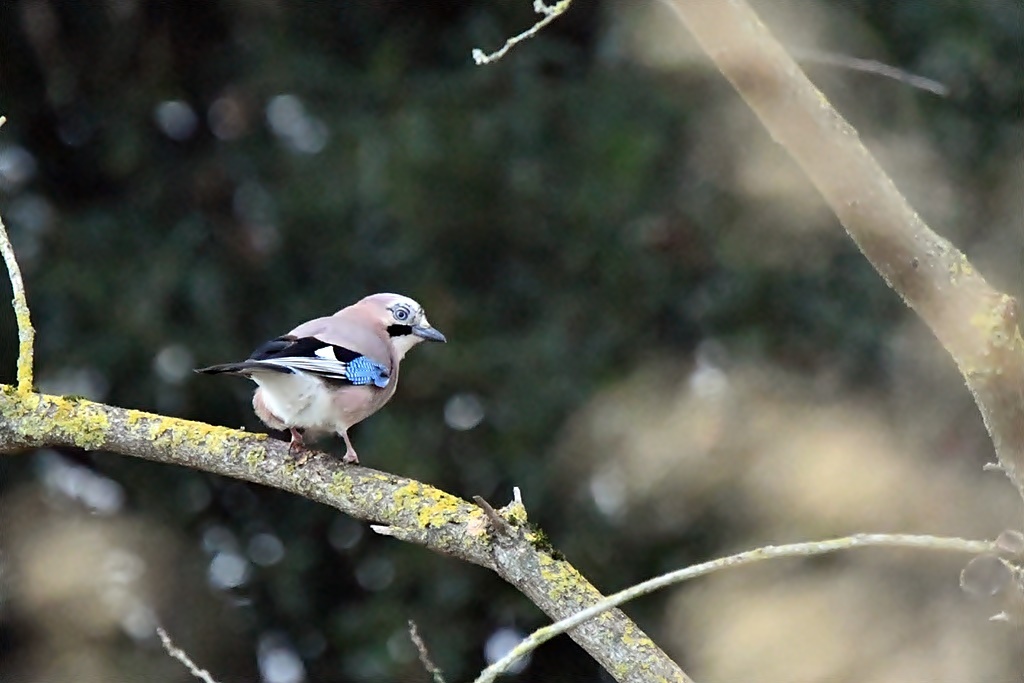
(330, 373)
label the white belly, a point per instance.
(300, 400)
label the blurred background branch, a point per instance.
(806, 549)
(549, 14)
(978, 325)
(182, 656)
(424, 654)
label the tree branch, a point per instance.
(979, 326)
(542, 635)
(410, 510)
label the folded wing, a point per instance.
(290, 354)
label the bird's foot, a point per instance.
(350, 456)
(297, 448)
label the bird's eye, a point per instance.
(401, 313)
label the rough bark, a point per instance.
(411, 511)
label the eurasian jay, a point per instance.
(330, 373)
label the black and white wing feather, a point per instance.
(309, 355)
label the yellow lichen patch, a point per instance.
(646, 648)
(87, 423)
(23, 410)
(634, 637)
(433, 507)
(515, 513)
(540, 542)
(39, 416)
(178, 433)
(562, 578)
(254, 457)
(161, 426)
(217, 440)
(135, 417)
(341, 485)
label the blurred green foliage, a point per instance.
(197, 177)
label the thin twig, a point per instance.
(870, 66)
(541, 636)
(425, 659)
(497, 521)
(550, 14)
(26, 334)
(179, 654)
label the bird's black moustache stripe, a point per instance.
(399, 330)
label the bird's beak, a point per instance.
(429, 333)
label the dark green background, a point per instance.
(566, 216)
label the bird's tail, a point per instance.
(245, 367)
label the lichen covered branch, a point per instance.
(412, 511)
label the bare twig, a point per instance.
(870, 66)
(541, 636)
(424, 654)
(179, 654)
(550, 14)
(26, 334)
(497, 521)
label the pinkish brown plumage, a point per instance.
(333, 372)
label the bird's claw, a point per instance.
(297, 448)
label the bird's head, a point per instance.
(403, 319)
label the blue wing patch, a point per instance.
(363, 370)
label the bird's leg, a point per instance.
(297, 447)
(296, 444)
(350, 452)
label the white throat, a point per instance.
(403, 343)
